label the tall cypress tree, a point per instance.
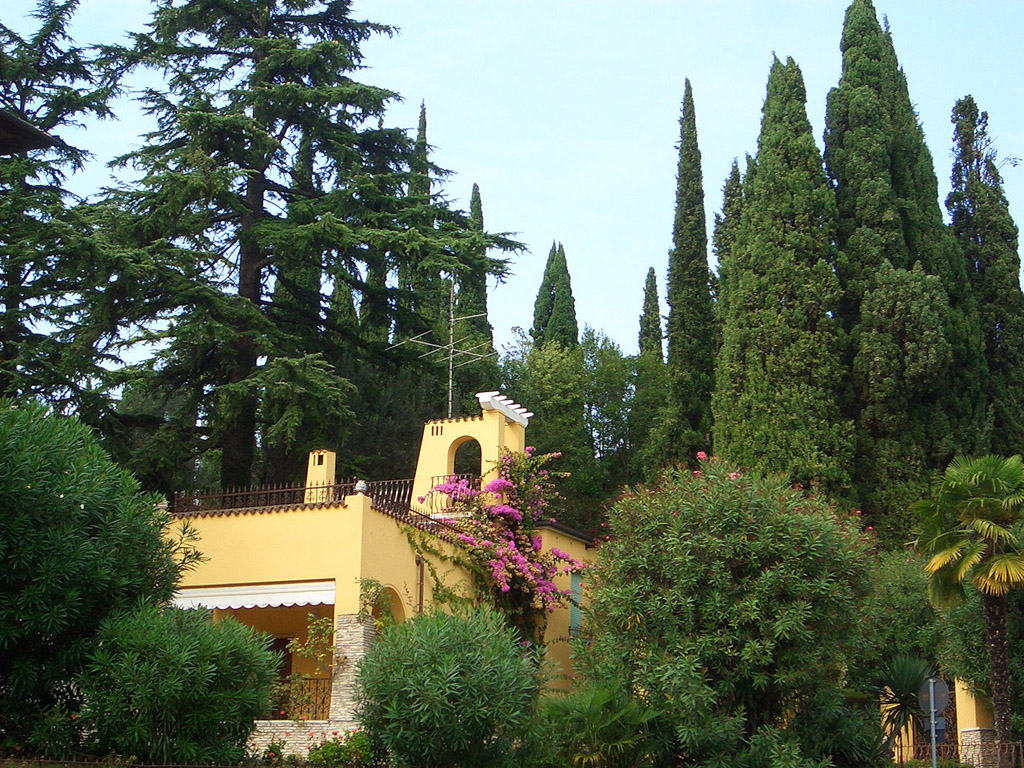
(554, 312)
(649, 388)
(776, 406)
(987, 238)
(891, 238)
(650, 336)
(473, 332)
(686, 425)
(727, 225)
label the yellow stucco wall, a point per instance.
(494, 430)
(971, 711)
(285, 545)
(347, 544)
(556, 635)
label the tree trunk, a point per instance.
(238, 441)
(999, 671)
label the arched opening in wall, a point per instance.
(468, 459)
(388, 608)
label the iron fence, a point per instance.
(308, 698)
(262, 497)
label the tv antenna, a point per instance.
(457, 357)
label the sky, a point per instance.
(566, 112)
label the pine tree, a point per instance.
(776, 406)
(48, 242)
(554, 312)
(909, 421)
(987, 237)
(247, 84)
(686, 425)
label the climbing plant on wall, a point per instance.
(496, 532)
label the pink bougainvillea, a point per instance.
(503, 547)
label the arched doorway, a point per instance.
(468, 458)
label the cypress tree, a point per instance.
(647, 460)
(473, 331)
(908, 421)
(554, 312)
(776, 405)
(987, 237)
(649, 340)
(727, 225)
(686, 426)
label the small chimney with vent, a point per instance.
(320, 476)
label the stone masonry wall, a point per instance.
(978, 747)
(353, 637)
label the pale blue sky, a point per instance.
(566, 113)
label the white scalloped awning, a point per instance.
(257, 595)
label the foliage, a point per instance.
(896, 618)
(272, 200)
(650, 383)
(172, 686)
(686, 426)
(727, 225)
(967, 533)
(554, 312)
(350, 750)
(273, 753)
(608, 395)
(448, 690)
(500, 540)
(48, 247)
(906, 302)
(727, 600)
(596, 727)
(550, 380)
(898, 686)
(78, 543)
(473, 331)
(987, 236)
(779, 374)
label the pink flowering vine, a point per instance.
(498, 532)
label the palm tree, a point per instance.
(967, 531)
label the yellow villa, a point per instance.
(275, 556)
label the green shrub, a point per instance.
(78, 542)
(172, 686)
(596, 727)
(728, 601)
(449, 690)
(349, 751)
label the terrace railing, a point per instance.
(437, 502)
(389, 497)
(263, 497)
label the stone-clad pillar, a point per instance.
(353, 637)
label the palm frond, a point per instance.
(991, 530)
(946, 556)
(1000, 573)
(972, 554)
